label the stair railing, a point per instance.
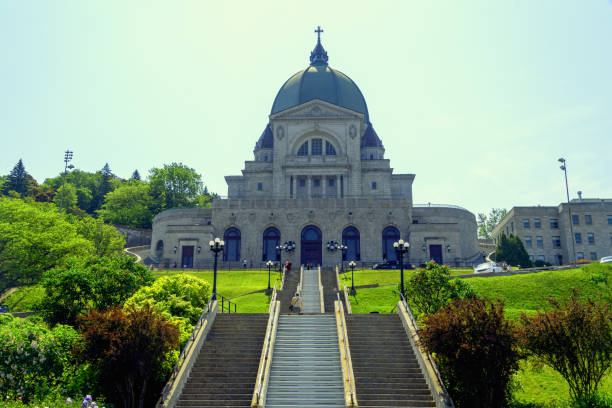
(226, 303)
(322, 301)
(182, 368)
(428, 366)
(265, 362)
(348, 377)
(347, 300)
(299, 286)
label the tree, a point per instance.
(129, 205)
(84, 183)
(575, 339)
(174, 185)
(19, 180)
(486, 224)
(89, 283)
(101, 189)
(105, 238)
(476, 349)
(431, 288)
(66, 197)
(511, 250)
(135, 175)
(131, 349)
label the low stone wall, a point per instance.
(135, 236)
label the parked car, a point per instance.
(606, 259)
(488, 267)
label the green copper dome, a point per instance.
(319, 81)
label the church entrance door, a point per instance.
(435, 253)
(187, 258)
(312, 246)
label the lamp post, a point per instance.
(216, 246)
(333, 246)
(269, 264)
(67, 158)
(352, 265)
(401, 247)
(569, 208)
(287, 246)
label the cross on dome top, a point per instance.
(318, 56)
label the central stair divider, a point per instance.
(263, 375)
(350, 394)
(321, 298)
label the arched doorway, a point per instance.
(350, 238)
(231, 251)
(271, 239)
(312, 246)
(389, 236)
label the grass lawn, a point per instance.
(385, 276)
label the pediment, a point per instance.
(317, 109)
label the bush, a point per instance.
(540, 263)
(575, 339)
(431, 288)
(476, 350)
(130, 348)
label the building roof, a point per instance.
(320, 81)
(370, 138)
(266, 140)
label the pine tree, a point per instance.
(18, 180)
(102, 188)
(135, 175)
(510, 249)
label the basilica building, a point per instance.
(319, 174)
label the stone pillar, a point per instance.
(324, 186)
(294, 182)
(309, 187)
(337, 186)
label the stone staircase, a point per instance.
(311, 297)
(387, 372)
(305, 370)
(225, 371)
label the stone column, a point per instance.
(309, 187)
(337, 186)
(324, 186)
(294, 183)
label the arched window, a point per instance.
(389, 236)
(303, 151)
(330, 150)
(271, 238)
(159, 248)
(231, 252)
(350, 238)
(316, 148)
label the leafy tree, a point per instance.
(175, 185)
(135, 175)
(180, 298)
(476, 351)
(19, 180)
(35, 237)
(101, 189)
(431, 288)
(84, 183)
(105, 238)
(511, 250)
(129, 205)
(90, 283)
(66, 197)
(575, 339)
(131, 349)
(486, 224)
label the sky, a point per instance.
(477, 98)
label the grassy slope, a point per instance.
(24, 299)
(385, 276)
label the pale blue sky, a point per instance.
(477, 98)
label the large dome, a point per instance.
(319, 81)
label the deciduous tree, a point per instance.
(129, 205)
(175, 185)
(486, 224)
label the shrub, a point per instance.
(476, 350)
(575, 339)
(130, 348)
(540, 263)
(431, 288)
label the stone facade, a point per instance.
(547, 234)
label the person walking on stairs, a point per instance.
(296, 304)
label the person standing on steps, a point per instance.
(296, 303)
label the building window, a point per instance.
(559, 259)
(302, 183)
(332, 182)
(528, 242)
(389, 236)
(526, 223)
(578, 238)
(265, 158)
(350, 238)
(556, 241)
(575, 220)
(531, 258)
(371, 157)
(317, 147)
(588, 220)
(231, 252)
(591, 238)
(611, 238)
(330, 150)
(316, 182)
(259, 186)
(373, 185)
(593, 256)
(303, 151)
(271, 239)
(579, 256)
(609, 219)
(554, 223)
(540, 242)
(537, 223)
(541, 258)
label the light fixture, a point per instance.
(175, 249)
(424, 247)
(199, 249)
(448, 248)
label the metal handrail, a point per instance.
(321, 296)
(346, 352)
(264, 367)
(427, 355)
(181, 359)
(229, 305)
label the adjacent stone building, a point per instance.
(319, 174)
(547, 232)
